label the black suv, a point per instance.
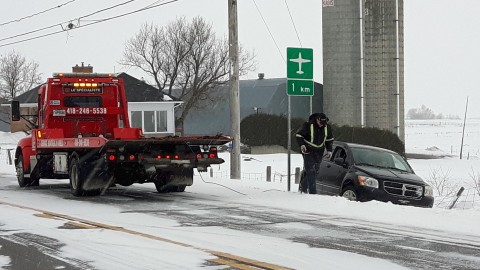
(362, 173)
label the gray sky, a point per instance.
(442, 39)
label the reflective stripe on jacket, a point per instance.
(314, 138)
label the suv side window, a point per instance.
(339, 152)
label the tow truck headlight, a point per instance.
(428, 191)
(367, 181)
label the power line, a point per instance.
(294, 27)
(77, 19)
(38, 13)
(271, 35)
(94, 22)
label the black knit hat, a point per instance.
(323, 118)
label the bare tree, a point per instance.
(17, 75)
(441, 182)
(185, 59)
(475, 176)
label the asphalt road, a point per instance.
(408, 247)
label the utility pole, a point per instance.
(235, 158)
(463, 132)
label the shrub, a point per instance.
(267, 129)
(370, 136)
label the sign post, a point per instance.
(299, 83)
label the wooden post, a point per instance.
(297, 175)
(269, 173)
(459, 193)
(9, 156)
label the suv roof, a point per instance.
(357, 145)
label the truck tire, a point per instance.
(180, 188)
(77, 177)
(24, 181)
(162, 188)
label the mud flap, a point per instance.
(179, 178)
(97, 177)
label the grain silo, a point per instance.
(363, 63)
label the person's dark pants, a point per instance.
(311, 163)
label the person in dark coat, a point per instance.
(314, 137)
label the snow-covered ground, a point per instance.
(436, 137)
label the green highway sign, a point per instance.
(300, 87)
(300, 63)
(300, 72)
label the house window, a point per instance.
(136, 119)
(149, 121)
(161, 121)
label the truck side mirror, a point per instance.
(15, 110)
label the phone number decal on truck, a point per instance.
(87, 110)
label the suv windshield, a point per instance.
(379, 158)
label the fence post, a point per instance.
(297, 175)
(269, 173)
(459, 193)
(211, 172)
(9, 151)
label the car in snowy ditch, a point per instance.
(363, 173)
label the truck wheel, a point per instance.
(24, 181)
(161, 188)
(180, 188)
(76, 178)
(350, 193)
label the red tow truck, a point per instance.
(82, 133)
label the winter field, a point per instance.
(448, 174)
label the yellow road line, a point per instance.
(43, 215)
(232, 264)
(223, 258)
(80, 225)
(257, 264)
